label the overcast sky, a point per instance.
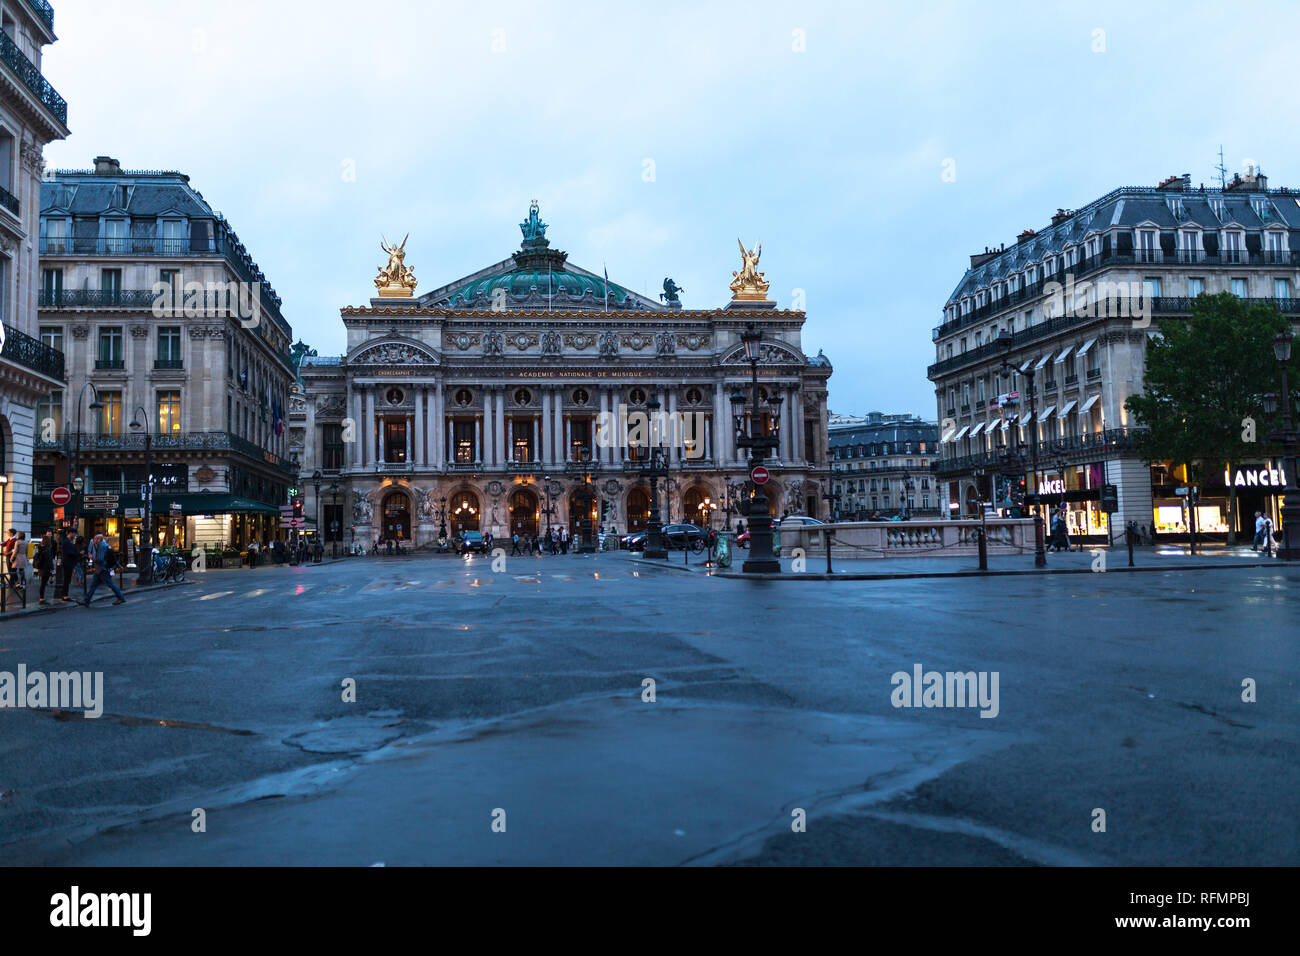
(654, 139)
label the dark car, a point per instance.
(634, 541)
(684, 535)
(472, 541)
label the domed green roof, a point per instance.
(538, 272)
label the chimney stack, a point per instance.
(107, 166)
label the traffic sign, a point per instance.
(99, 503)
(759, 475)
(60, 496)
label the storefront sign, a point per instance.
(1051, 486)
(1109, 499)
(1257, 478)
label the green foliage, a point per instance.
(1204, 376)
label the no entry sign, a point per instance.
(60, 496)
(759, 475)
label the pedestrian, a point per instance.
(252, 554)
(20, 559)
(1259, 531)
(514, 543)
(104, 560)
(1268, 535)
(68, 563)
(46, 555)
(564, 541)
(10, 543)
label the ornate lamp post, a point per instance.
(315, 480)
(1288, 438)
(78, 482)
(144, 565)
(334, 522)
(582, 469)
(442, 517)
(1006, 339)
(656, 468)
(759, 440)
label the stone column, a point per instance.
(499, 429)
(568, 439)
(671, 432)
(537, 430)
(783, 449)
(368, 433)
(353, 412)
(510, 439)
(478, 440)
(557, 427)
(420, 456)
(545, 451)
(439, 429)
(485, 455)
(796, 399)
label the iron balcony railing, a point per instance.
(9, 201)
(112, 364)
(44, 11)
(21, 349)
(1112, 439)
(169, 441)
(168, 363)
(95, 299)
(32, 78)
(126, 246)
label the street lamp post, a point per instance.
(78, 482)
(334, 522)
(442, 517)
(656, 468)
(144, 565)
(1006, 339)
(759, 440)
(1288, 437)
(315, 480)
(983, 537)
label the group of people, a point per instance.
(300, 552)
(66, 559)
(557, 541)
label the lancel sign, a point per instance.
(1256, 477)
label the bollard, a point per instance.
(828, 552)
(984, 551)
(1129, 535)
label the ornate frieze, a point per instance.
(394, 353)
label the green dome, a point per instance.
(520, 283)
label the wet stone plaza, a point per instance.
(593, 710)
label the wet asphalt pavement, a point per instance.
(517, 697)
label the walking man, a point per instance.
(45, 555)
(69, 556)
(104, 560)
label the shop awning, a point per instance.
(1028, 362)
(202, 504)
(964, 429)
(1026, 419)
(976, 429)
(1006, 423)
(1043, 361)
(1064, 355)
(1046, 413)
(991, 426)
(1083, 349)
(1089, 403)
(1069, 406)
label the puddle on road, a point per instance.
(128, 720)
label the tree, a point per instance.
(1205, 379)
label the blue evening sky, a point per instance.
(455, 115)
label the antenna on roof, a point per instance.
(1222, 170)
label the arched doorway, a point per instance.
(523, 512)
(693, 509)
(396, 510)
(638, 509)
(463, 512)
(583, 499)
(972, 500)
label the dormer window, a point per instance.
(1216, 206)
(173, 237)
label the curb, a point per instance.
(903, 575)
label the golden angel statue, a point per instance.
(749, 283)
(395, 280)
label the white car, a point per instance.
(799, 520)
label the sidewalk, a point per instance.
(102, 594)
(1159, 558)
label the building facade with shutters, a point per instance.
(493, 403)
(1043, 342)
(32, 113)
(881, 467)
(168, 325)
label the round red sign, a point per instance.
(60, 496)
(759, 474)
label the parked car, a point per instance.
(472, 541)
(634, 541)
(684, 535)
(742, 539)
(792, 520)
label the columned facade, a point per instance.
(494, 417)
